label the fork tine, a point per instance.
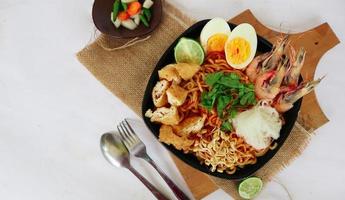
(130, 130)
(134, 135)
(130, 135)
(123, 136)
(121, 132)
(126, 134)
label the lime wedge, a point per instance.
(189, 51)
(250, 187)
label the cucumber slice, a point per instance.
(116, 22)
(136, 19)
(147, 4)
(129, 24)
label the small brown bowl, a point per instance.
(101, 17)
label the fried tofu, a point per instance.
(174, 72)
(167, 135)
(169, 73)
(189, 125)
(159, 93)
(186, 70)
(167, 116)
(176, 95)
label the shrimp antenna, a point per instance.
(321, 78)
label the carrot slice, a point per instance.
(134, 8)
(123, 16)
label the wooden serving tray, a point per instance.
(316, 41)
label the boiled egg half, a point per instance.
(214, 34)
(240, 47)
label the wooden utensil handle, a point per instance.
(152, 188)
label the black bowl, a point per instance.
(168, 58)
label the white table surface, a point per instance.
(53, 111)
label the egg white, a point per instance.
(214, 26)
(247, 32)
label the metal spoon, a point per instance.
(117, 154)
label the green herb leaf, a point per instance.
(241, 92)
(235, 102)
(252, 99)
(216, 90)
(222, 102)
(233, 113)
(244, 99)
(211, 79)
(251, 86)
(234, 76)
(241, 87)
(229, 82)
(226, 126)
(206, 101)
(227, 89)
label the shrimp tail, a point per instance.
(302, 90)
(294, 72)
(278, 50)
(281, 71)
(284, 102)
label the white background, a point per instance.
(53, 111)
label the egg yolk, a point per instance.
(238, 50)
(216, 42)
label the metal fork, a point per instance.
(136, 147)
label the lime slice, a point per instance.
(250, 187)
(189, 51)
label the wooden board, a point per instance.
(316, 41)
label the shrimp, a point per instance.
(272, 61)
(291, 79)
(252, 70)
(267, 85)
(284, 101)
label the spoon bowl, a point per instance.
(114, 150)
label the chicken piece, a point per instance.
(176, 95)
(186, 70)
(167, 135)
(189, 125)
(169, 73)
(159, 93)
(167, 116)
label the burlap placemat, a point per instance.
(125, 73)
